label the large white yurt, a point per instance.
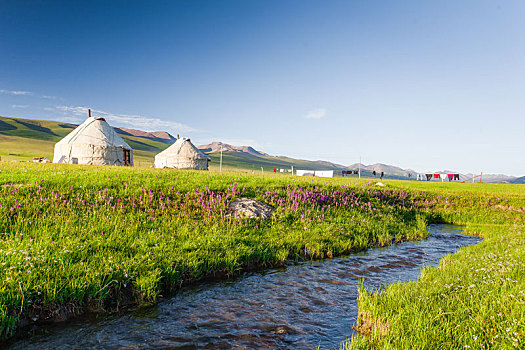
(93, 142)
(182, 155)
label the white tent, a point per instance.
(182, 155)
(93, 142)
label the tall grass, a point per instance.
(78, 237)
(475, 298)
(74, 238)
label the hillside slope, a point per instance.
(215, 147)
(23, 139)
(159, 136)
(248, 159)
(519, 180)
(247, 162)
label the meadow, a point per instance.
(23, 139)
(475, 298)
(96, 238)
(78, 239)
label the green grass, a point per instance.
(34, 129)
(98, 237)
(475, 298)
(85, 237)
(23, 139)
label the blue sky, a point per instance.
(427, 85)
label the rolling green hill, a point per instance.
(519, 180)
(23, 139)
(240, 160)
(248, 159)
(245, 162)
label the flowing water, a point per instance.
(299, 306)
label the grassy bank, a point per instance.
(475, 298)
(77, 238)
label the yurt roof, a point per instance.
(95, 131)
(175, 149)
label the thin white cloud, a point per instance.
(28, 93)
(16, 92)
(19, 106)
(77, 114)
(316, 113)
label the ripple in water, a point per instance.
(300, 306)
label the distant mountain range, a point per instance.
(518, 180)
(159, 136)
(218, 146)
(23, 139)
(380, 167)
(248, 155)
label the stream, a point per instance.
(304, 305)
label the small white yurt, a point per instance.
(93, 142)
(182, 155)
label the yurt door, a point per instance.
(127, 157)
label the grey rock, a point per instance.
(250, 208)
